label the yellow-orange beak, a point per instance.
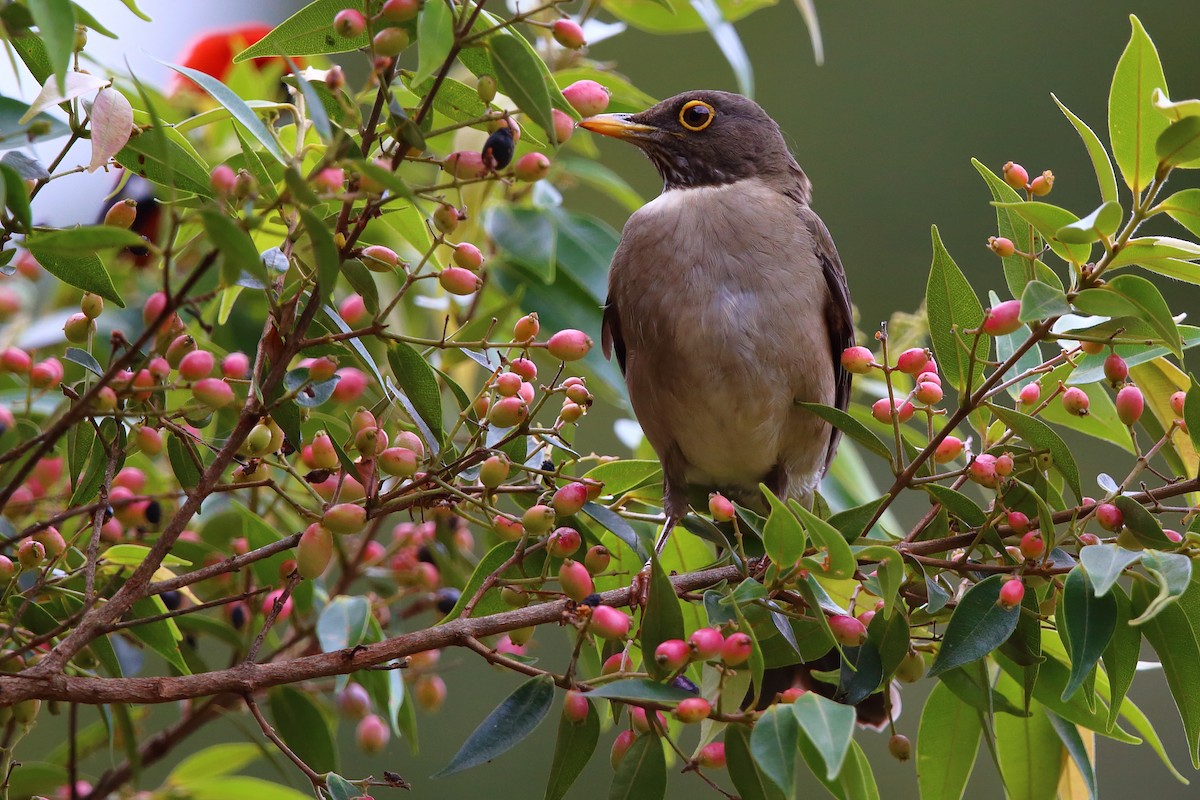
(617, 126)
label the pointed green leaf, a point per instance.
(521, 79)
(1133, 123)
(1184, 208)
(749, 781)
(1090, 622)
(300, 722)
(572, 750)
(1100, 161)
(217, 759)
(1069, 735)
(435, 38)
(238, 252)
(1028, 750)
(642, 773)
(1103, 222)
(947, 745)
(1134, 296)
(1041, 301)
(783, 536)
(1173, 574)
(55, 20)
(640, 690)
(325, 253)
(1179, 144)
(236, 107)
(1121, 656)
(829, 726)
(84, 271)
(415, 377)
(978, 626)
(509, 723)
(1041, 436)
(620, 477)
(157, 157)
(838, 560)
(662, 620)
(308, 32)
(851, 427)
(1173, 635)
(1048, 220)
(1105, 563)
(773, 742)
(959, 505)
(952, 305)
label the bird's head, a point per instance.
(704, 138)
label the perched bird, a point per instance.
(727, 304)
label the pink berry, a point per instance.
(538, 519)
(1174, 536)
(847, 630)
(1042, 184)
(672, 654)
(508, 412)
(720, 508)
(881, 409)
(569, 34)
(857, 360)
(353, 310)
(1130, 404)
(1018, 521)
(353, 701)
(468, 256)
(196, 365)
(928, 393)
(349, 23)
(1115, 369)
(587, 97)
(1016, 176)
(285, 608)
(223, 180)
(575, 706)
(564, 126)
(78, 328)
(1076, 401)
(900, 747)
(531, 167)
(1030, 394)
(1011, 593)
(712, 756)
(16, 360)
(1110, 517)
(1001, 246)
(213, 392)
(569, 345)
(465, 165)
(345, 518)
(1004, 465)
(235, 366)
(569, 499)
(912, 361)
(575, 580)
(1003, 319)
(1032, 545)
(399, 10)
(526, 329)
(399, 462)
(609, 623)
(1177, 401)
(380, 259)
(390, 42)
(459, 281)
(350, 386)
(563, 542)
(314, 551)
(736, 649)
(640, 719)
(982, 470)
(524, 367)
(621, 745)
(372, 734)
(692, 710)
(706, 643)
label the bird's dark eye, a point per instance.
(696, 115)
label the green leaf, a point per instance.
(1104, 564)
(84, 272)
(829, 726)
(572, 750)
(242, 787)
(1052, 679)
(947, 744)
(616, 524)
(1103, 222)
(1010, 226)
(14, 133)
(217, 759)
(1179, 144)
(662, 619)
(1121, 656)
(676, 16)
(1028, 750)
(16, 196)
(308, 32)
(55, 20)
(783, 536)
(978, 626)
(952, 305)
(161, 636)
(1041, 301)
(1173, 574)
(85, 240)
(520, 76)
(1100, 161)
(1069, 735)
(314, 100)
(640, 690)
(1184, 208)
(958, 504)
(851, 427)
(1090, 622)
(238, 252)
(526, 235)
(1041, 436)
(1134, 296)
(509, 723)
(750, 783)
(435, 38)
(642, 773)
(620, 477)
(773, 742)
(1133, 123)
(329, 263)
(973, 685)
(1048, 220)
(343, 622)
(491, 602)
(415, 377)
(339, 788)
(162, 160)
(300, 722)
(1144, 525)
(236, 107)
(838, 562)
(1149, 250)
(1173, 635)
(132, 555)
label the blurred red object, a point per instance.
(212, 53)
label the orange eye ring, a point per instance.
(696, 115)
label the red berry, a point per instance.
(720, 508)
(912, 361)
(609, 623)
(621, 745)
(353, 701)
(531, 167)
(1030, 394)
(672, 654)
(196, 365)
(1174, 536)
(857, 360)
(575, 580)
(569, 34)
(372, 734)
(16, 360)
(149, 441)
(1003, 318)
(948, 449)
(881, 409)
(1076, 401)
(575, 706)
(268, 606)
(692, 710)
(1032, 545)
(1016, 176)
(1018, 521)
(569, 499)
(465, 165)
(349, 23)
(459, 281)
(1110, 517)
(847, 630)
(345, 518)
(1177, 401)
(736, 649)
(1115, 369)
(706, 643)
(712, 756)
(563, 542)
(1011, 593)
(929, 393)
(982, 470)
(1001, 246)
(1086, 539)
(587, 97)
(1130, 404)
(314, 551)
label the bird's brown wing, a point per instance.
(839, 316)
(610, 333)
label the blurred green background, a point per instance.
(909, 92)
